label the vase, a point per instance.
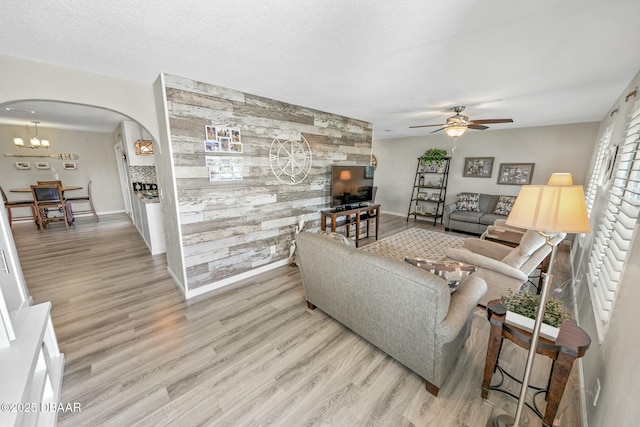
(546, 331)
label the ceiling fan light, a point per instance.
(45, 143)
(455, 131)
(35, 142)
(19, 142)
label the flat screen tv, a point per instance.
(351, 185)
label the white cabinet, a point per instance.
(31, 364)
(148, 219)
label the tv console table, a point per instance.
(351, 216)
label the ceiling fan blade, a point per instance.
(425, 126)
(478, 127)
(489, 121)
(438, 130)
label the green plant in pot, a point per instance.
(433, 155)
(525, 304)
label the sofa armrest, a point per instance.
(463, 302)
(480, 261)
(448, 210)
(487, 248)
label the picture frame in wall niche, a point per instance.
(42, 165)
(478, 167)
(212, 146)
(422, 196)
(515, 173)
(222, 139)
(224, 168)
(23, 165)
(70, 166)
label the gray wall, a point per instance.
(230, 228)
(96, 162)
(613, 360)
(564, 148)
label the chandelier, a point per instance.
(34, 142)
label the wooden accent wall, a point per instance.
(229, 228)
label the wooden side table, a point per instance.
(572, 343)
(366, 214)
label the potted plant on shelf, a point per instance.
(433, 156)
(521, 311)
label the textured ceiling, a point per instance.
(393, 63)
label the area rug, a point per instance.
(415, 243)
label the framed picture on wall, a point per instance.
(23, 165)
(42, 165)
(69, 166)
(515, 173)
(478, 167)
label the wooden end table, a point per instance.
(505, 237)
(572, 343)
(355, 216)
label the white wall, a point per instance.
(23, 79)
(563, 148)
(613, 361)
(96, 162)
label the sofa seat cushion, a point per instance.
(466, 216)
(490, 218)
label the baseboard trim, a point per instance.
(233, 279)
(176, 281)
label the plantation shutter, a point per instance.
(597, 177)
(614, 232)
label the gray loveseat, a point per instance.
(472, 222)
(405, 311)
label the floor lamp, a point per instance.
(558, 207)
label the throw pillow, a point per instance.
(468, 202)
(505, 203)
(452, 272)
(339, 237)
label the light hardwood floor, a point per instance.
(249, 354)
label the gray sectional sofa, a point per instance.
(472, 222)
(405, 311)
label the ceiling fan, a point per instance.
(458, 124)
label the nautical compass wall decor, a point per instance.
(290, 159)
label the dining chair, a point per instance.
(14, 204)
(46, 198)
(83, 199)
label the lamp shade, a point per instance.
(558, 178)
(550, 208)
(345, 175)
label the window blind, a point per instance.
(597, 174)
(614, 231)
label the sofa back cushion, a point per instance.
(531, 241)
(488, 203)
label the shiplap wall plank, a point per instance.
(229, 228)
